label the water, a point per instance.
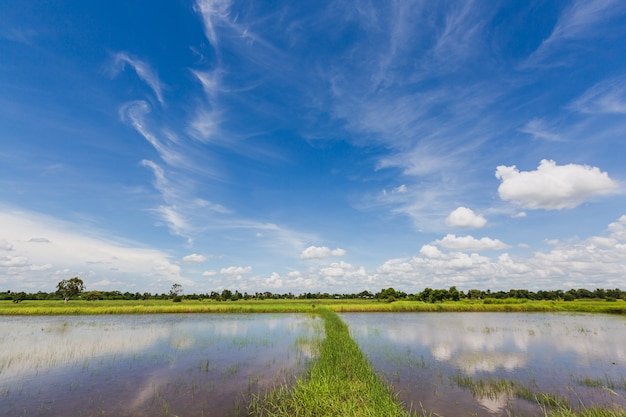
(152, 365)
(478, 364)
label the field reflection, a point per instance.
(154, 365)
(486, 364)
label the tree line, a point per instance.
(75, 288)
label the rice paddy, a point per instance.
(309, 361)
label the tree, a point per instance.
(226, 294)
(69, 288)
(175, 292)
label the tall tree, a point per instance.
(69, 288)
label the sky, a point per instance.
(331, 146)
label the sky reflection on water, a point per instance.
(185, 365)
(425, 355)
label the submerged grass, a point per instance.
(552, 405)
(77, 307)
(340, 382)
(588, 412)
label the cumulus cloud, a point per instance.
(552, 186)
(194, 258)
(470, 243)
(236, 270)
(321, 252)
(465, 218)
(430, 251)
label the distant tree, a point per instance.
(454, 294)
(176, 292)
(93, 295)
(69, 288)
(387, 294)
(226, 294)
(18, 297)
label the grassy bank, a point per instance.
(78, 307)
(340, 383)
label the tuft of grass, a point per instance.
(587, 412)
(485, 388)
(341, 383)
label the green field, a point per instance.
(57, 307)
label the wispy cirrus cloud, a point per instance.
(538, 128)
(581, 19)
(134, 113)
(214, 13)
(605, 97)
(143, 70)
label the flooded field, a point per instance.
(149, 365)
(496, 364)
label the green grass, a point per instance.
(78, 307)
(339, 383)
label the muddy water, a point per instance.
(481, 364)
(153, 365)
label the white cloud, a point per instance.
(74, 249)
(465, 218)
(236, 270)
(470, 243)
(553, 187)
(400, 189)
(430, 251)
(143, 70)
(6, 246)
(209, 273)
(321, 252)
(39, 240)
(194, 258)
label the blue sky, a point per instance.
(313, 146)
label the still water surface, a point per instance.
(434, 359)
(153, 365)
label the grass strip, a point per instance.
(82, 307)
(341, 382)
